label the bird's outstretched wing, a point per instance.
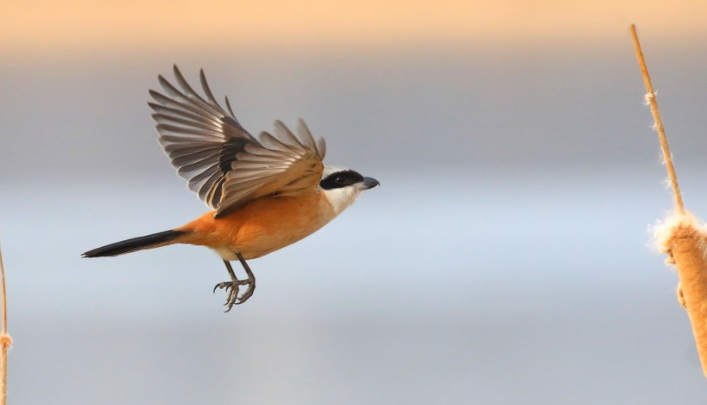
(224, 164)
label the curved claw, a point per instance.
(232, 297)
(225, 284)
(232, 291)
(249, 292)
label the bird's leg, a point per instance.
(250, 281)
(232, 287)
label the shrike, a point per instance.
(265, 193)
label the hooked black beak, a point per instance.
(369, 182)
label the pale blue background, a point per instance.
(504, 260)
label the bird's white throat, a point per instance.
(341, 198)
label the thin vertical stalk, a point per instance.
(5, 339)
(651, 99)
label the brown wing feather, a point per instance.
(221, 161)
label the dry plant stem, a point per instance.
(5, 339)
(687, 251)
(651, 98)
(683, 240)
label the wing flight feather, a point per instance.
(224, 164)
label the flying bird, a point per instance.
(264, 193)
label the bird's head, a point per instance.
(341, 186)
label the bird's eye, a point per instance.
(341, 179)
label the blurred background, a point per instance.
(505, 259)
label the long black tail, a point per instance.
(132, 245)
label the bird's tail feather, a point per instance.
(132, 245)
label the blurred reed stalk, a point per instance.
(5, 339)
(681, 236)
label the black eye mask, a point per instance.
(340, 179)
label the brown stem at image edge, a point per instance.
(681, 236)
(5, 339)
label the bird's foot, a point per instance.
(232, 289)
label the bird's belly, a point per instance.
(261, 227)
(254, 243)
(225, 253)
